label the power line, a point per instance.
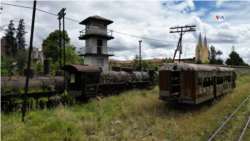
(78, 22)
(142, 37)
(38, 10)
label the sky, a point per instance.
(149, 19)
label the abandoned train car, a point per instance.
(88, 81)
(194, 84)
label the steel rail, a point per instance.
(228, 119)
(150, 133)
(244, 129)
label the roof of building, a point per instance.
(189, 67)
(130, 61)
(95, 18)
(200, 41)
(205, 41)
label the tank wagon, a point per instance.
(82, 82)
(45, 81)
(88, 81)
(194, 84)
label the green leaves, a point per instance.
(235, 59)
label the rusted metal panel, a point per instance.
(186, 67)
(19, 82)
(116, 68)
(81, 68)
(109, 77)
(188, 83)
(127, 69)
(164, 79)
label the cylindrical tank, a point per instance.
(15, 83)
(108, 77)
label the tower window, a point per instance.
(99, 50)
(99, 42)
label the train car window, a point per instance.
(204, 80)
(72, 78)
(199, 81)
(90, 79)
(229, 79)
(210, 81)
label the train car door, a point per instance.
(92, 81)
(234, 79)
(215, 86)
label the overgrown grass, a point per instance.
(103, 118)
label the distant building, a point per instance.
(36, 54)
(202, 50)
(129, 62)
(3, 46)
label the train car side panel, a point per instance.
(164, 83)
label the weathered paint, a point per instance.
(189, 74)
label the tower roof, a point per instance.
(200, 42)
(95, 18)
(205, 41)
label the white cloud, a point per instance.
(145, 19)
(219, 3)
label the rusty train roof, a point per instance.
(191, 67)
(81, 68)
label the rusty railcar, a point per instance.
(194, 84)
(87, 81)
(15, 83)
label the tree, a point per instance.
(10, 41)
(219, 61)
(212, 54)
(205, 62)
(135, 63)
(166, 60)
(219, 53)
(52, 45)
(144, 64)
(6, 62)
(72, 58)
(20, 33)
(21, 57)
(198, 61)
(234, 58)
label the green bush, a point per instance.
(244, 73)
(4, 72)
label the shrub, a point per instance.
(4, 72)
(244, 73)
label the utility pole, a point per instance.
(1, 9)
(185, 56)
(184, 29)
(61, 15)
(28, 69)
(140, 54)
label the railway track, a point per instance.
(242, 134)
(137, 127)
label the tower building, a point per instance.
(202, 50)
(96, 36)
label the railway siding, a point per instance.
(92, 121)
